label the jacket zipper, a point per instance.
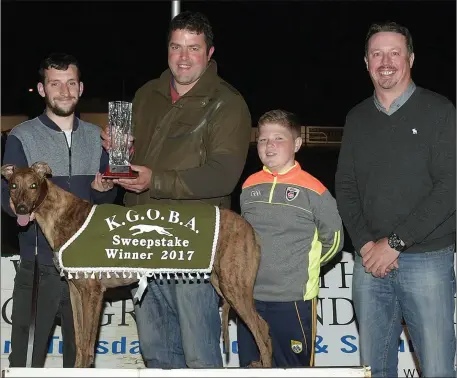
(275, 179)
(69, 157)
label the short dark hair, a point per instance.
(195, 22)
(284, 118)
(393, 27)
(59, 61)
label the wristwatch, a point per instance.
(396, 243)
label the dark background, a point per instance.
(302, 56)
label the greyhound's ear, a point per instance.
(7, 170)
(42, 169)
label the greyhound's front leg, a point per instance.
(86, 299)
(78, 321)
(92, 307)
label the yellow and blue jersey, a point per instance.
(299, 228)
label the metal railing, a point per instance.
(313, 135)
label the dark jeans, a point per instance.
(292, 330)
(53, 300)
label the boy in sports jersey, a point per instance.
(300, 229)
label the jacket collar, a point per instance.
(203, 87)
(45, 120)
(287, 173)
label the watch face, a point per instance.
(395, 243)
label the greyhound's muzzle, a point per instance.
(23, 216)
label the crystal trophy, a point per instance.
(120, 130)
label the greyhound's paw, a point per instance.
(255, 364)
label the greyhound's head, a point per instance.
(28, 188)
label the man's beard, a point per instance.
(58, 111)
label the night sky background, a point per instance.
(303, 56)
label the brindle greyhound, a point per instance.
(60, 214)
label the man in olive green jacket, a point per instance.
(192, 132)
(195, 148)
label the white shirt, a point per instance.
(68, 135)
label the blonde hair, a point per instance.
(281, 117)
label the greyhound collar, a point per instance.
(42, 197)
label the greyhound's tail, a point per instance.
(225, 320)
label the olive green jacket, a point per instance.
(196, 147)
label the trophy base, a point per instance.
(119, 172)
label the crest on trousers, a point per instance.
(296, 346)
(291, 193)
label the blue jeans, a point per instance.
(422, 292)
(179, 325)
